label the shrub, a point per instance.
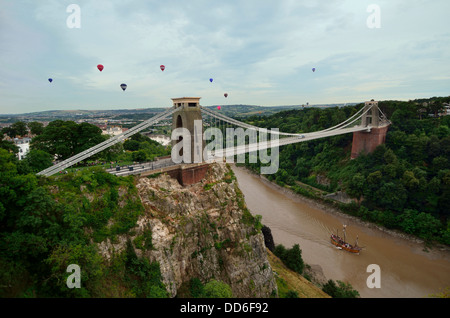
(292, 257)
(217, 289)
(341, 290)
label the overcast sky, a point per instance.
(260, 52)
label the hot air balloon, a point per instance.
(218, 107)
(50, 80)
(211, 80)
(162, 67)
(226, 95)
(314, 69)
(123, 86)
(100, 67)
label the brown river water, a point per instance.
(406, 269)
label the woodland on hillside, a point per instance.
(404, 184)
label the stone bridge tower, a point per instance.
(187, 113)
(366, 141)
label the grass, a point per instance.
(289, 280)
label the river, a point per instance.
(406, 269)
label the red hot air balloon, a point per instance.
(100, 67)
(162, 67)
(226, 95)
(218, 107)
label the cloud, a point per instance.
(260, 53)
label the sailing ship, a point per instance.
(341, 243)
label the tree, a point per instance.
(66, 138)
(196, 287)
(9, 131)
(37, 160)
(217, 289)
(139, 156)
(341, 290)
(131, 145)
(355, 187)
(20, 128)
(87, 136)
(112, 153)
(36, 128)
(292, 257)
(14, 187)
(9, 145)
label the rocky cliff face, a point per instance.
(202, 231)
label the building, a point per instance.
(24, 146)
(163, 140)
(113, 130)
(446, 111)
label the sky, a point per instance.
(260, 52)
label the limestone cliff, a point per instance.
(202, 231)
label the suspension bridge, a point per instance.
(368, 125)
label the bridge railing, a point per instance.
(139, 168)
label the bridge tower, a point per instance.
(366, 141)
(188, 115)
(187, 112)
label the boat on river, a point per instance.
(341, 243)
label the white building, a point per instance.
(24, 146)
(163, 140)
(114, 130)
(446, 109)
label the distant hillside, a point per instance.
(229, 110)
(250, 110)
(78, 113)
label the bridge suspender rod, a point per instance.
(244, 125)
(343, 127)
(350, 120)
(105, 144)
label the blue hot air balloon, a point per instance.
(314, 69)
(50, 80)
(123, 86)
(211, 80)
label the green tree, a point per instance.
(66, 138)
(355, 187)
(341, 290)
(9, 131)
(139, 156)
(292, 257)
(196, 288)
(217, 289)
(36, 128)
(9, 146)
(37, 160)
(131, 145)
(20, 128)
